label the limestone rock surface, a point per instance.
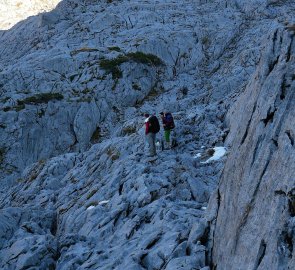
(255, 216)
(77, 189)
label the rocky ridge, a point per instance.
(78, 191)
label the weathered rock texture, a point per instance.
(255, 219)
(77, 191)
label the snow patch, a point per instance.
(198, 155)
(103, 202)
(100, 203)
(219, 152)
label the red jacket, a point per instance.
(147, 126)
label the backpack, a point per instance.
(169, 121)
(154, 124)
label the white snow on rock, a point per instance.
(103, 202)
(219, 152)
(198, 155)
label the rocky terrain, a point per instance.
(77, 190)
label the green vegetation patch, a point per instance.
(41, 98)
(145, 58)
(16, 108)
(115, 48)
(84, 49)
(37, 99)
(113, 65)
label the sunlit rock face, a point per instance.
(14, 11)
(77, 189)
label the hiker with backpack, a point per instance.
(168, 125)
(152, 127)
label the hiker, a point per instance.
(152, 127)
(168, 125)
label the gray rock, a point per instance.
(197, 232)
(77, 191)
(189, 263)
(255, 191)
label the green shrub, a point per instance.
(19, 107)
(84, 49)
(40, 98)
(85, 99)
(16, 108)
(144, 58)
(6, 109)
(114, 48)
(3, 100)
(37, 99)
(113, 65)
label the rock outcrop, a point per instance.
(255, 216)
